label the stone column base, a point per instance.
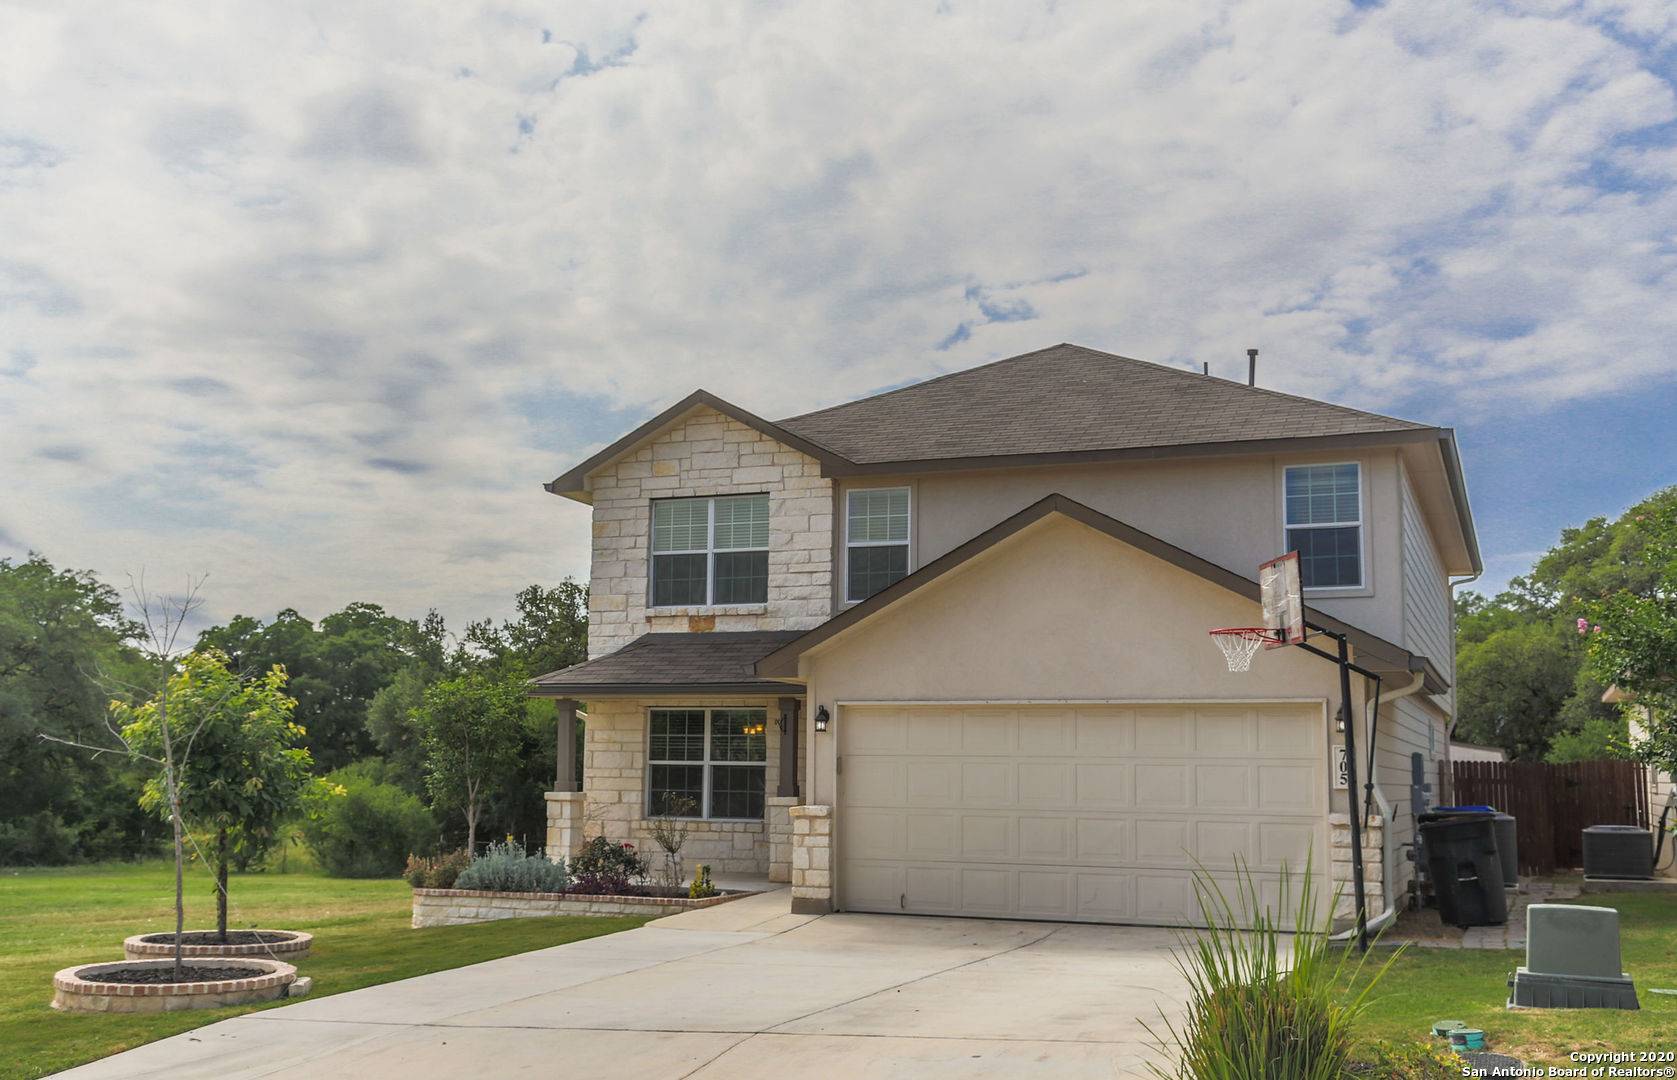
(780, 837)
(1343, 881)
(565, 811)
(812, 851)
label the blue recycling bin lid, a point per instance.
(1464, 809)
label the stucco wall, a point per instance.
(1058, 611)
(1224, 509)
(614, 784)
(708, 454)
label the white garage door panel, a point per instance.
(1090, 813)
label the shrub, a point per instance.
(41, 839)
(1263, 1001)
(508, 868)
(369, 830)
(701, 887)
(606, 867)
(1408, 1061)
(437, 872)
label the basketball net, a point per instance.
(1241, 643)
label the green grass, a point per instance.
(1425, 985)
(52, 919)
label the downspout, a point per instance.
(1387, 854)
(1453, 584)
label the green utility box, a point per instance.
(1572, 961)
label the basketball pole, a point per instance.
(1343, 659)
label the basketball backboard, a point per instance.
(1283, 599)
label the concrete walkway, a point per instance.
(1510, 935)
(742, 990)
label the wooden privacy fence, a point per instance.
(1554, 803)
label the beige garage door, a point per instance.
(1091, 813)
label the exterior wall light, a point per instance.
(822, 717)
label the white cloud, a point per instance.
(313, 296)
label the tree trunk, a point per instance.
(471, 829)
(221, 884)
(174, 794)
(180, 861)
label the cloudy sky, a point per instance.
(313, 296)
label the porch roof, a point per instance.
(714, 662)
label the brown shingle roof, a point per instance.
(717, 662)
(1067, 399)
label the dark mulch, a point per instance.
(210, 937)
(165, 973)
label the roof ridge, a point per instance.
(1190, 373)
(928, 382)
(1151, 365)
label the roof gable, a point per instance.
(1373, 651)
(574, 483)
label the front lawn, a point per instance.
(50, 919)
(1425, 985)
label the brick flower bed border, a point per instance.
(72, 993)
(454, 907)
(137, 948)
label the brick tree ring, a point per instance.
(77, 989)
(284, 945)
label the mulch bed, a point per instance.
(165, 973)
(210, 937)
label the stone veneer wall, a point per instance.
(812, 860)
(1339, 841)
(614, 781)
(709, 454)
(456, 907)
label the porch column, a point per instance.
(788, 788)
(564, 773)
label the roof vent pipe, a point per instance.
(1251, 367)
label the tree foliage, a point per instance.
(61, 631)
(472, 728)
(1631, 627)
(241, 772)
(336, 668)
(1521, 676)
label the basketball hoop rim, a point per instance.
(1252, 633)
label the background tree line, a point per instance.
(365, 683)
(1524, 682)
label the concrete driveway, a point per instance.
(740, 991)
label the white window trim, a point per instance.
(1364, 578)
(709, 552)
(907, 541)
(706, 763)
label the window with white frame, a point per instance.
(710, 551)
(1324, 522)
(707, 763)
(876, 540)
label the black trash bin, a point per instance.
(1465, 868)
(1508, 848)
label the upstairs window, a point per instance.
(1324, 521)
(876, 540)
(711, 551)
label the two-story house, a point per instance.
(943, 649)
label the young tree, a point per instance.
(472, 728)
(161, 620)
(245, 774)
